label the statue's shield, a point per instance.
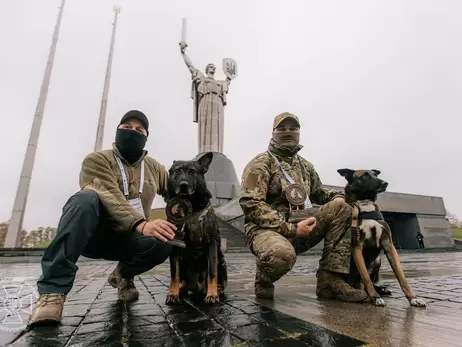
(230, 68)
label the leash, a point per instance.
(354, 225)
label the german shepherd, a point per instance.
(200, 267)
(372, 236)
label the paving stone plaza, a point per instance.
(93, 316)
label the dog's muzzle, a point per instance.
(383, 186)
(184, 188)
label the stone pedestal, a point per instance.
(222, 180)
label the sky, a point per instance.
(376, 84)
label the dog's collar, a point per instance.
(375, 215)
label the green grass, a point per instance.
(43, 244)
(158, 213)
(457, 233)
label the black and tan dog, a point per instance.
(370, 235)
(200, 267)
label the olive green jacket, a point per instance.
(101, 173)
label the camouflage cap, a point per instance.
(283, 116)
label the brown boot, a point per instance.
(332, 285)
(47, 310)
(264, 287)
(114, 278)
(126, 291)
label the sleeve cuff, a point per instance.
(289, 230)
(133, 228)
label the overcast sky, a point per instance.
(376, 84)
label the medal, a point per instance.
(295, 194)
(300, 206)
(178, 210)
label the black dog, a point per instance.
(200, 267)
(372, 236)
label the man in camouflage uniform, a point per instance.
(276, 242)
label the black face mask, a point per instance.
(130, 144)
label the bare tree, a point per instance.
(453, 220)
(29, 239)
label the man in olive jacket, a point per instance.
(108, 219)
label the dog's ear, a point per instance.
(377, 172)
(347, 173)
(205, 160)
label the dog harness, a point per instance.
(195, 225)
(375, 215)
(356, 217)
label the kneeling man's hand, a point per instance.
(305, 227)
(158, 228)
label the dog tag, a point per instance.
(136, 203)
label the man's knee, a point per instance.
(337, 207)
(274, 252)
(152, 250)
(84, 199)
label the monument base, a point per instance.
(222, 180)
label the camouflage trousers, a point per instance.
(276, 255)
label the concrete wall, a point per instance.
(408, 203)
(436, 231)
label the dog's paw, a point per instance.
(417, 302)
(172, 299)
(212, 299)
(378, 302)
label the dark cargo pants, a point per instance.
(82, 231)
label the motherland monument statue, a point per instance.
(209, 99)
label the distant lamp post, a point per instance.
(13, 235)
(107, 82)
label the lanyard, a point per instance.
(124, 176)
(290, 179)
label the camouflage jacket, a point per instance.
(101, 173)
(262, 193)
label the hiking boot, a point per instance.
(351, 295)
(264, 287)
(114, 278)
(332, 285)
(126, 290)
(48, 310)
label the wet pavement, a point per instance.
(93, 317)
